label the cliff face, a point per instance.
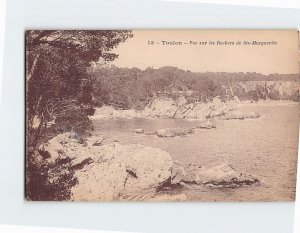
(257, 90)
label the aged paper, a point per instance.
(162, 115)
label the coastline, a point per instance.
(169, 109)
(93, 156)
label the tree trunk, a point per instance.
(30, 74)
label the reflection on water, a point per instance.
(264, 147)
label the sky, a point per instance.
(194, 50)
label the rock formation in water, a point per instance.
(218, 175)
(139, 131)
(239, 115)
(132, 172)
(173, 132)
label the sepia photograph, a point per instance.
(161, 115)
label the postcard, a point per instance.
(161, 115)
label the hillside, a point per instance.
(132, 88)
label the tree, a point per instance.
(57, 80)
(59, 86)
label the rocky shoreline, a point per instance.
(166, 108)
(113, 171)
(107, 170)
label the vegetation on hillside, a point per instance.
(59, 94)
(127, 88)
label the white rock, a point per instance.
(122, 170)
(178, 174)
(112, 170)
(138, 131)
(169, 108)
(220, 175)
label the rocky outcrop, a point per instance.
(110, 171)
(63, 146)
(180, 109)
(220, 175)
(172, 132)
(139, 131)
(169, 108)
(240, 115)
(132, 172)
(161, 108)
(120, 170)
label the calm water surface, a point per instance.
(264, 147)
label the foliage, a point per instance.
(49, 182)
(59, 98)
(58, 84)
(134, 88)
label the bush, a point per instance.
(48, 182)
